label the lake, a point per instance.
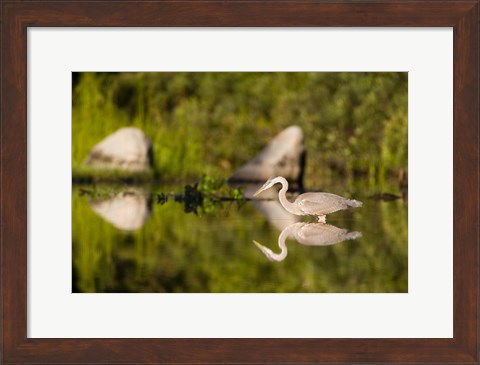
(148, 238)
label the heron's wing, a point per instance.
(321, 203)
(321, 234)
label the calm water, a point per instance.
(146, 239)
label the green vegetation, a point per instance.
(84, 174)
(209, 194)
(205, 196)
(211, 123)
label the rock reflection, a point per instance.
(127, 211)
(310, 234)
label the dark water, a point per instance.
(146, 239)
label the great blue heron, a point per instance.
(317, 204)
(311, 234)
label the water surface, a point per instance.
(131, 239)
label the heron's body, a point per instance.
(317, 204)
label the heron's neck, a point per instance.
(281, 243)
(287, 231)
(282, 196)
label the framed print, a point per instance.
(142, 147)
(373, 258)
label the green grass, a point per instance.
(83, 174)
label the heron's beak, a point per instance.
(259, 191)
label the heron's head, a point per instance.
(270, 182)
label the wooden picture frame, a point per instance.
(18, 16)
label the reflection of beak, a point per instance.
(267, 252)
(259, 245)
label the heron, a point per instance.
(316, 204)
(310, 234)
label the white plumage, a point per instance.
(310, 234)
(316, 204)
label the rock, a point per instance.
(126, 149)
(283, 156)
(126, 211)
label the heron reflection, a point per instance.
(310, 234)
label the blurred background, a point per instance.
(211, 123)
(178, 226)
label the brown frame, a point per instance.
(17, 16)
